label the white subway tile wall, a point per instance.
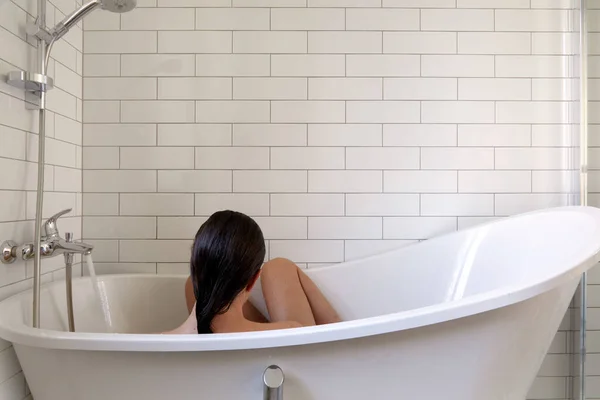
(19, 154)
(345, 127)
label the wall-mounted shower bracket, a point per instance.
(30, 81)
(34, 29)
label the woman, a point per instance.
(228, 252)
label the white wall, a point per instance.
(345, 127)
(18, 156)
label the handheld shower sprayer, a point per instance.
(116, 6)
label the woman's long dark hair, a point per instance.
(229, 250)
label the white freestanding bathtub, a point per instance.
(467, 316)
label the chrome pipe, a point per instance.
(42, 53)
(583, 148)
(69, 283)
(273, 379)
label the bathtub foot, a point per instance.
(273, 378)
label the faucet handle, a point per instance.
(50, 226)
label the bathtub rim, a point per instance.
(371, 326)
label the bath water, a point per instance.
(101, 297)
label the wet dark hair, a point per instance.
(228, 251)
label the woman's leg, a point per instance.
(291, 295)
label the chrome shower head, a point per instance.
(118, 6)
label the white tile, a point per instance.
(420, 89)
(344, 42)
(232, 19)
(119, 135)
(457, 66)
(173, 269)
(179, 228)
(382, 19)
(101, 111)
(532, 66)
(62, 102)
(68, 130)
(233, 65)
(269, 42)
(560, 89)
(13, 19)
(308, 111)
(307, 158)
(270, 88)
(307, 19)
(13, 206)
(14, 387)
(469, 222)
(187, 42)
(382, 158)
(232, 158)
(494, 135)
(532, 20)
(447, 205)
(269, 135)
(344, 3)
(157, 111)
(14, 143)
(420, 181)
(194, 3)
(157, 65)
(23, 175)
(15, 115)
(250, 204)
(119, 88)
(123, 268)
(344, 135)
(194, 181)
(194, 135)
(457, 20)
(283, 227)
(318, 251)
(119, 181)
(382, 204)
(383, 65)
(345, 228)
(100, 158)
(307, 204)
(382, 112)
(457, 158)
(532, 112)
(420, 3)
(269, 3)
(555, 4)
(157, 158)
(511, 204)
(419, 42)
(308, 65)
(419, 135)
(194, 88)
(416, 228)
(114, 42)
(156, 204)
(158, 19)
(269, 181)
(358, 249)
(102, 20)
(555, 365)
(557, 135)
(67, 179)
(494, 89)
(14, 50)
(154, 250)
(552, 43)
(494, 181)
(119, 227)
(494, 43)
(457, 112)
(345, 181)
(232, 111)
(547, 158)
(68, 80)
(493, 4)
(345, 88)
(100, 204)
(104, 250)
(53, 202)
(559, 181)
